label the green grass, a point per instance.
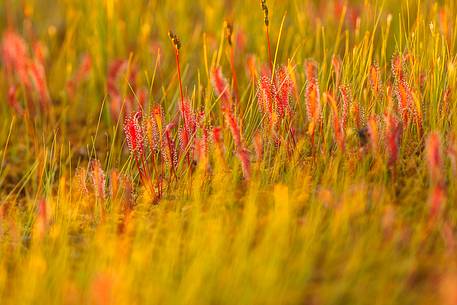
(313, 223)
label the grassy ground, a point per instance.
(310, 157)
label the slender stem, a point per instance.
(179, 77)
(269, 50)
(232, 66)
(182, 95)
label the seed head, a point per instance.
(263, 3)
(229, 32)
(175, 40)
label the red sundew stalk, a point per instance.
(177, 46)
(234, 128)
(134, 134)
(269, 50)
(284, 89)
(135, 140)
(241, 152)
(265, 95)
(187, 125)
(189, 117)
(311, 70)
(187, 134)
(184, 142)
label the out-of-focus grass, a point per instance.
(325, 227)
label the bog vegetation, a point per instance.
(228, 152)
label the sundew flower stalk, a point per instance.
(134, 134)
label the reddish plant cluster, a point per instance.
(221, 88)
(273, 98)
(154, 149)
(185, 140)
(26, 70)
(93, 183)
(403, 93)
